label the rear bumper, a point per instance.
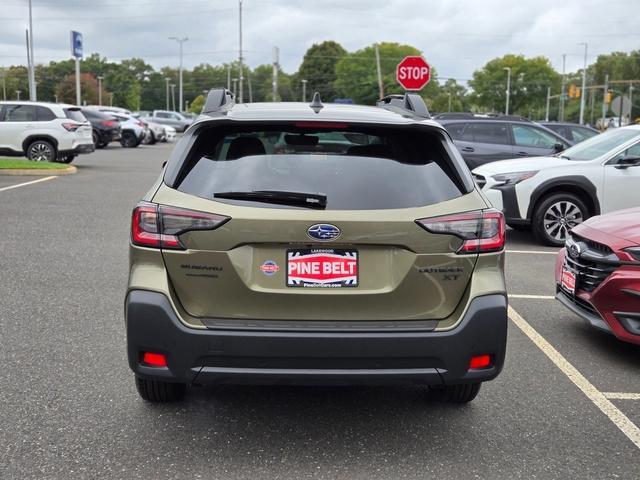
(320, 357)
(78, 149)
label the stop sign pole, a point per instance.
(413, 72)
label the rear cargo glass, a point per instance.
(75, 115)
(357, 169)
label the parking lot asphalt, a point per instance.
(69, 407)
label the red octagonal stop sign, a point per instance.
(413, 73)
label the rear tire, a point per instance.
(41, 151)
(156, 391)
(462, 393)
(66, 158)
(555, 216)
(129, 140)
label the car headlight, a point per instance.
(634, 252)
(513, 178)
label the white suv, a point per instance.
(553, 194)
(44, 131)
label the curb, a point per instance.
(70, 170)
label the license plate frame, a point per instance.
(568, 280)
(303, 274)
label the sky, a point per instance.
(455, 36)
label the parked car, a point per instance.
(573, 132)
(110, 109)
(483, 139)
(155, 131)
(554, 194)
(106, 128)
(170, 134)
(242, 272)
(598, 273)
(133, 131)
(173, 119)
(44, 132)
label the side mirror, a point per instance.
(628, 161)
(558, 147)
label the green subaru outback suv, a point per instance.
(315, 244)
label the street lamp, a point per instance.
(304, 90)
(180, 41)
(100, 89)
(167, 80)
(506, 108)
(584, 84)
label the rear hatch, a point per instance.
(320, 235)
(82, 127)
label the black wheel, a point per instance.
(96, 139)
(463, 393)
(156, 391)
(66, 158)
(129, 140)
(152, 139)
(41, 151)
(556, 215)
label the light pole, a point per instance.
(235, 85)
(562, 94)
(32, 69)
(449, 93)
(180, 41)
(18, 92)
(173, 95)
(304, 90)
(4, 86)
(167, 80)
(584, 84)
(100, 89)
(240, 50)
(506, 108)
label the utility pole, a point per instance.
(32, 68)
(380, 85)
(173, 95)
(99, 77)
(180, 41)
(593, 101)
(604, 100)
(28, 43)
(449, 93)
(562, 93)
(235, 86)
(584, 84)
(229, 76)
(546, 115)
(276, 66)
(240, 50)
(630, 103)
(18, 92)
(167, 80)
(249, 82)
(304, 90)
(506, 108)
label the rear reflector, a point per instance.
(158, 226)
(482, 231)
(480, 361)
(154, 359)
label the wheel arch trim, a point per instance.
(573, 182)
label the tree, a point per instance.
(357, 74)
(66, 90)
(126, 89)
(196, 105)
(318, 68)
(530, 79)
(452, 97)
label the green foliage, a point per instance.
(319, 69)
(357, 74)
(66, 89)
(530, 78)
(196, 105)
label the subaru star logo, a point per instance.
(323, 232)
(574, 250)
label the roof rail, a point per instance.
(408, 102)
(480, 116)
(219, 100)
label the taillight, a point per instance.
(108, 123)
(159, 226)
(71, 127)
(141, 124)
(482, 231)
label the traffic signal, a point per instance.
(572, 91)
(578, 92)
(607, 97)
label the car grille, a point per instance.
(589, 274)
(598, 247)
(480, 180)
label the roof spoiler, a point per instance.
(408, 102)
(219, 100)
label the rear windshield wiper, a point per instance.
(297, 199)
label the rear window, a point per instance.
(75, 115)
(355, 168)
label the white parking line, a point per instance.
(621, 396)
(27, 183)
(598, 398)
(536, 297)
(534, 252)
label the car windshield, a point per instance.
(353, 170)
(599, 145)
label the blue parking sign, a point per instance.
(76, 44)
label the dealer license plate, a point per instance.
(568, 281)
(322, 268)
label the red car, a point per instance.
(598, 273)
